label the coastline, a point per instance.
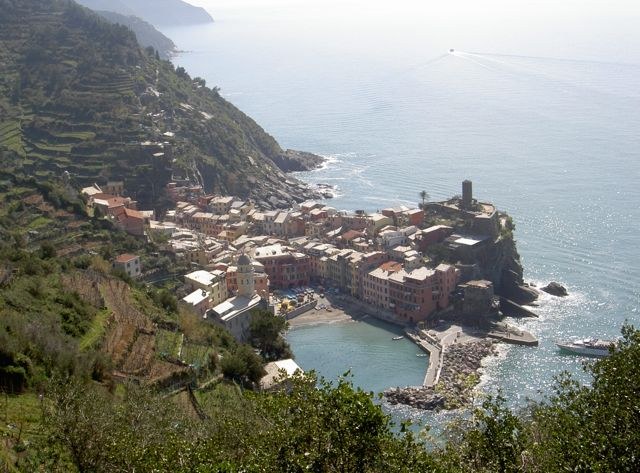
(452, 379)
(327, 313)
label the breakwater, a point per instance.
(457, 378)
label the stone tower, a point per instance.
(246, 282)
(467, 194)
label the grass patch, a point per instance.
(196, 355)
(96, 330)
(20, 413)
(168, 343)
(80, 135)
(56, 148)
(39, 222)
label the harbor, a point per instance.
(454, 352)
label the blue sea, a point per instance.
(538, 105)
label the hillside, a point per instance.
(78, 94)
(156, 12)
(145, 33)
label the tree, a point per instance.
(424, 196)
(580, 428)
(266, 330)
(243, 366)
(594, 428)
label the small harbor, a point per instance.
(341, 335)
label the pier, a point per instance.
(434, 349)
(435, 343)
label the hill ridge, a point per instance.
(78, 94)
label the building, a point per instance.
(130, 264)
(213, 282)
(260, 280)
(375, 284)
(432, 235)
(129, 220)
(221, 205)
(278, 372)
(478, 298)
(403, 216)
(199, 301)
(192, 247)
(234, 314)
(415, 295)
(285, 268)
(114, 187)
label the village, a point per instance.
(408, 266)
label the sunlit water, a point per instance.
(555, 142)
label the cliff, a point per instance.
(79, 96)
(296, 161)
(490, 251)
(145, 33)
(156, 12)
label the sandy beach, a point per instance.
(337, 314)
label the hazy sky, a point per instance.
(586, 29)
(486, 9)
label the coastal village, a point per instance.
(414, 267)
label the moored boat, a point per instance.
(587, 347)
(399, 337)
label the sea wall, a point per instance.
(301, 309)
(457, 379)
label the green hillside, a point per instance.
(78, 94)
(146, 34)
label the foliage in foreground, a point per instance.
(333, 427)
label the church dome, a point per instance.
(244, 260)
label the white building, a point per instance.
(199, 301)
(130, 264)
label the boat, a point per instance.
(421, 355)
(399, 337)
(587, 347)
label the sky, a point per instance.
(582, 29)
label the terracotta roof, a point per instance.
(351, 234)
(133, 213)
(125, 258)
(391, 266)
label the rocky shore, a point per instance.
(296, 161)
(457, 379)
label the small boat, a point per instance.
(587, 347)
(399, 337)
(421, 355)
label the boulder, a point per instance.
(555, 289)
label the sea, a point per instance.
(537, 104)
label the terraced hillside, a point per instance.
(78, 94)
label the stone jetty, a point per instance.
(457, 379)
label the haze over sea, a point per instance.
(539, 106)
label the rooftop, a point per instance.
(196, 297)
(268, 251)
(232, 307)
(125, 258)
(201, 277)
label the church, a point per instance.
(234, 314)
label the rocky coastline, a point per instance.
(297, 161)
(458, 378)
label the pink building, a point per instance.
(414, 296)
(285, 268)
